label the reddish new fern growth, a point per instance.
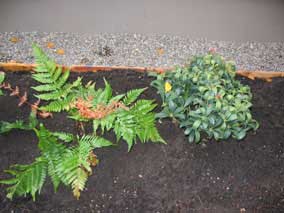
(101, 111)
(24, 100)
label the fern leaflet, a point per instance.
(53, 82)
(28, 179)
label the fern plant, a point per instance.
(62, 163)
(128, 118)
(67, 158)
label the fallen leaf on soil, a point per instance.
(6, 86)
(50, 45)
(23, 99)
(92, 159)
(160, 51)
(34, 106)
(15, 91)
(14, 39)
(45, 114)
(60, 52)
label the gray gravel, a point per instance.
(139, 50)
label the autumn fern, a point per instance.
(130, 121)
(63, 164)
(66, 158)
(53, 83)
(75, 166)
(28, 179)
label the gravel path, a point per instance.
(138, 50)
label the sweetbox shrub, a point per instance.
(204, 98)
(68, 158)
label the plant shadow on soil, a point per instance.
(227, 176)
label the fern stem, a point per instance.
(8, 87)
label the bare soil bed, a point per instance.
(227, 176)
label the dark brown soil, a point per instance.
(228, 176)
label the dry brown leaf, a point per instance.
(160, 51)
(7, 86)
(60, 52)
(14, 39)
(15, 91)
(92, 159)
(45, 114)
(50, 45)
(86, 111)
(23, 99)
(35, 104)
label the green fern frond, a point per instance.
(6, 127)
(28, 179)
(143, 106)
(62, 79)
(95, 141)
(105, 123)
(66, 137)
(102, 96)
(44, 78)
(43, 88)
(52, 151)
(75, 165)
(53, 81)
(51, 170)
(2, 77)
(124, 127)
(132, 96)
(116, 98)
(32, 121)
(41, 57)
(59, 93)
(145, 119)
(139, 122)
(59, 105)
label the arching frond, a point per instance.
(28, 179)
(53, 83)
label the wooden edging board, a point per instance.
(15, 67)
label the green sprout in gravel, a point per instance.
(204, 98)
